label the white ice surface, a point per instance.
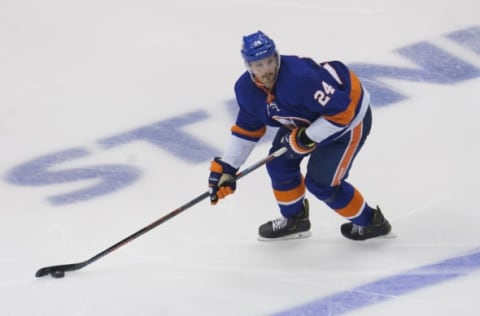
(75, 72)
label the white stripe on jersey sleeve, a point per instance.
(332, 72)
(237, 151)
(321, 129)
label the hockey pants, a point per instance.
(325, 177)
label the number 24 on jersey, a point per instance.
(323, 96)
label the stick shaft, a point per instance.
(76, 266)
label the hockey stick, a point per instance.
(58, 271)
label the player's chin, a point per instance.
(268, 81)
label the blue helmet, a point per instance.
(257, 46)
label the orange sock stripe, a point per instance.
(354, 207)
(348, 155)
(290, 196)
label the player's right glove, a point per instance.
(219, 181)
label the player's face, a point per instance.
(265, 70)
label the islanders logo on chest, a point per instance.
(289, 121)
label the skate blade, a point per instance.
(287, 237)
(390, 235)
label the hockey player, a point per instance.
(323, 113)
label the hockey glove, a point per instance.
(219, 181)
(298, 144)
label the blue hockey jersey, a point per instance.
(327, 97)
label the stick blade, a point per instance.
(58, 268)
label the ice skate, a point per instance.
(284, 228)
(379, 227)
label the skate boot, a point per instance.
(379, 227)
(287, 228)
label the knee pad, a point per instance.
(284, 172)
(323, 192)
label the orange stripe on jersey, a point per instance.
(290, 196)
(345, 117)
(250, 134)
(354, 207)
(348, 154)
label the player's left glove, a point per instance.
(219, 181)
(298, 144)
